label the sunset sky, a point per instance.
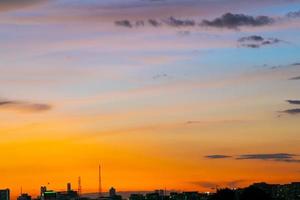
(176, 94)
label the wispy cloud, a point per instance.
(278, 157)
(256, 41)
(160, 76)
(297, 102)
(24, 106)
(294, 14)
(125, 23)
(295, 111)
(295, 64)
(172, 21)
(295, 78)
(282, 157)
(228, 20)
(154, 22)
(216, 121)
(217, 156)
(234, 21)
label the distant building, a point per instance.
(24, 197)
(4, 194)
(281, 192)
(68, 195)
(61, 195)
(112, 192)
(136, 197)
(153, 196)
(160, 192)
(157, 195)
(49, 195)
(191, 195)
(69, 187)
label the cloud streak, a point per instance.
(217, 156)
(256, 41)
(296, 102)
(281, 157)
(278, 157)
(228, 20)
(234, 21)
(295, 78)
(24, 106)
(293, 14)
(295, 111)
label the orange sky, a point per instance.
(176, 106)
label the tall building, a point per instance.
(4, 194)
(69, 187)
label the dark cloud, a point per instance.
(217, 156)
(24, 106)
(124, 23)
(297, 102)
(278, 157)
(255, 41)
(139, 23)
(172, 21)
(295, 111)
(234, 21)
(154, 22)
(295, 78)
(251, 38)
(271, 41)
(228, 20)
(295, 64)
(293, 14)
(281, 157)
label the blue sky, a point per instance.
(99, 75)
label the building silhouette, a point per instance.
(5, 194)
(112, 192)
(256, 191)
(24, 196)
(69, 194)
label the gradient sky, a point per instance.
(191, 102)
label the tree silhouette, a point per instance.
(254, 193)
(224, 194)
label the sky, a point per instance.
(176, 94)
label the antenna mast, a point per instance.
(79, 185)
(100, 186)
